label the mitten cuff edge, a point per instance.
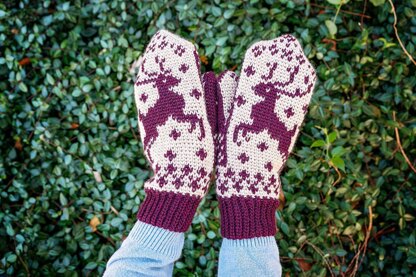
(168, 210)
(247, 217)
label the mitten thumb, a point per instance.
(227, 86)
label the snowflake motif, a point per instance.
(186, 170)
(272, 180)
(289, 112)
(194, 185)
(268, 166)
(201, 153)
(143, 97)
(196, 93)
(179, 50)
(253, 188)
(178, 183)
(202, 172)
(183, 68)
(238, 186)
(222, 187)
(262, 146)
(259, 177)
(175, 134)
(271, 183)
(229, 173)
(243, 158)
(249, 71)
(244, 174)
(162, 181)
(170, 169)
(170, 155)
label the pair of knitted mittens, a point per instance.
(244, 126)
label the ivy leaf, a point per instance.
(318, 143)
(341, 252)
(228, 14)
(338, 162)
(50, 79)
(221, 41)
(22, 86)
(338, 151)
(115, 222)
(211, 235)
(332, 136)
(332, 28)
(378, 2)
(334, 2)
(62, 199)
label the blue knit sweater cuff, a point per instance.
(253, 242)
(157, 239)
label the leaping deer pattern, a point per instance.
(168, 104)
(263, 113)
(270, 102)
(173, 123)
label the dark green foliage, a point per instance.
(71, 158)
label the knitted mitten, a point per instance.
(269, 106)
(175, 131)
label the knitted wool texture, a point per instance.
(175, 131)
(270, 102)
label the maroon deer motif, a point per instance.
(168, 104)
(264, 118)
(263, 115)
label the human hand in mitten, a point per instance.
(175, 131)
(269, 105)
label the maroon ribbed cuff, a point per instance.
(245, 217)
(168, 210)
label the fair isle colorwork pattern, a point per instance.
(269, 106)
(227, 85)
(175, 131)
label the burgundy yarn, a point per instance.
(173, 123)
(168, 210)
(246, 217)
(209, 82)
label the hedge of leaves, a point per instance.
(72, 169)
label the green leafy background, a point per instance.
(71, 165)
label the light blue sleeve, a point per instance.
(249, 257)
(152, 251)
(147, 251)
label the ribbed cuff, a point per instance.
(158, 239)
(245, 217)
(168, 210)
(254, 242)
